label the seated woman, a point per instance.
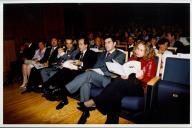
(26, 68)
(109, 101)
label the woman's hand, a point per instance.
(124, 77)
(140, 75)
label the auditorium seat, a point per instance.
(172, 103)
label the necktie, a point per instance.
(51, 51)
(108, 55)
(81, 57)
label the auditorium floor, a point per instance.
(32, 108)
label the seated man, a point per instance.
(62, 56)
(98, 44)
(85, 59)
(99, 76)
(171, 36)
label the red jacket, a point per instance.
(149, 69)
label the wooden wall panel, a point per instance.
(9, 54)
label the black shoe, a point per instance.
(62, 104)
(112, 118)
(83, 108)
(84, 117)
(79, 103)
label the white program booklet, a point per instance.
(125, 69)
(69, 64)
(39, 66)
(94, 49)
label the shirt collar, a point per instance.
(112, 51)
(84, 52)
(54, 47)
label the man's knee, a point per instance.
(86, 76)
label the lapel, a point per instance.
(86, 54)
(111, 56)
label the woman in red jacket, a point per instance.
(109, 101)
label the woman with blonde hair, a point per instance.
(109, 100)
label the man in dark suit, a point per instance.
(171, 36)
(51, 52)
(27, 50)
(70, 53)
(85, 59)
(99, 77)
(50, 56)
(70, 50)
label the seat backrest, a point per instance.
(121, 46)
(177, 68)
(158, 58)
(126, 56)
(172, 49)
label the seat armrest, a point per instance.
(150, 92)
(153, 81)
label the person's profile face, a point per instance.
(54, 42)
(169, 37)
(109, 44)
(98, 41)
(82, 45)
(69, 43)
(41, 45)
(163, 47)
(153, 41)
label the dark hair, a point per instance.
(86, 41)
(153, 37)
(171, 33)
(41, 41)
(106, 36)
(54, 36)
(163, 41)
(69, 37)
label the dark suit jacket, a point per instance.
(116, 55)
(51, 59)
(179, 46)
(30, 51)
(89, 59)
(71, 54)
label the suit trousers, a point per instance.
(84, 82)
(47, 73)
(62, 77)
